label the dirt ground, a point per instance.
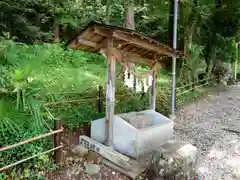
(202, 123)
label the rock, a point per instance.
(92, 169)
(80, 149)
(175, 160)
(172, 117)
(93, 158)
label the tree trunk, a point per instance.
(55, 31)
(189, 26)
(170, 22)
(129, 18)
(129, 23)
(210, 56)
(188, 20)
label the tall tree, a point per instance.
(129, 23)
(170, 22)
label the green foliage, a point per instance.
(32, 76)
(193, 67)
(26, 174)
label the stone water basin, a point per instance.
(135, 133)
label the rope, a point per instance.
(86, 100)
(179, 94)
(195, 82)
(71, 101)
(125, 66)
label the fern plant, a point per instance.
(9, 122)
(193, 67)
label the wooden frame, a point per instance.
(122, 44)
(93, 38)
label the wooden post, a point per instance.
(99, 101)
(153, 89)
(57, 141)
(110, 93)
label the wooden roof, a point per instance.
(94, 36)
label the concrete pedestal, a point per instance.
(136, 133)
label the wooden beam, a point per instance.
(117, 43)
(102, 31)
(74, 43)
(130, 57)
(135, 58)
(86, 42)
(142, 43)
(100, 45)
(110, 95)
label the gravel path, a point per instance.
(202, 124)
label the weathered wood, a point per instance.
(110, 96)
(85, 35)
(106, 152)
(130, 57)
(102, 31)
(142, 43)
(134, 58)
(86, 42)
(57, 141)
(97, 33)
